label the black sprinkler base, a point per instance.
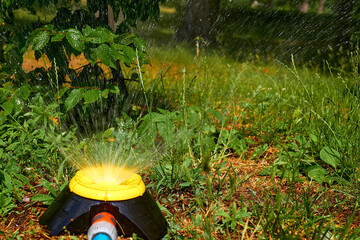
(140, 215)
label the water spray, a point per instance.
(106, 197)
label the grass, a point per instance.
(289, 118)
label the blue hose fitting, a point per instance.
(103, 227)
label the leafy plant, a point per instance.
(234, 216)
(88, 30)
(191, 139)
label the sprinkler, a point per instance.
(104, 209)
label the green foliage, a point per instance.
(99, 45)
(12, 184)
(195, 144)
(29, 127)
(330, 156)
(75, 32)
(234, 217)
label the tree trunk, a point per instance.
(117, 74)
(199, 20)
(304, 6)
(111, 19)
(321, 6)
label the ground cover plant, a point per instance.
(253, 150)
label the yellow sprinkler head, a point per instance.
(82, 185)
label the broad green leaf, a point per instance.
(45, 198)
(282, 160)
(108, 132)
(166, 130)
(8, 106)
(32, 35)
(61, 92)
(126, 38)
(23, 179)
(105, 93)
(99, 35)
(140, 44)
(91, 56)
(124, 53)
(130, 53)
(7, 181)
(87, 30)
(24, 91)
(73, 98)
(92, 95)
(40, 40)
(58, 37)
(330, 156)
(76, 39)
(317, 173)
(115, 89)
(120, 55)
(106, 55)
(217, 114)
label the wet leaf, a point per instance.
(76, 39)
(124, 53)
(24, 92)
(58, 37)
(108, 132)
(120, 55)
(106, 55)
(73, 98)
(126, 38)
(92, 95)
(40, 40)
(9, 106)
(98, 35)
(105, 93)
(140, 44)
(49, 27)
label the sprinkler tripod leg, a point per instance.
(103, 227)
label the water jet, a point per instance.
(129, 204)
